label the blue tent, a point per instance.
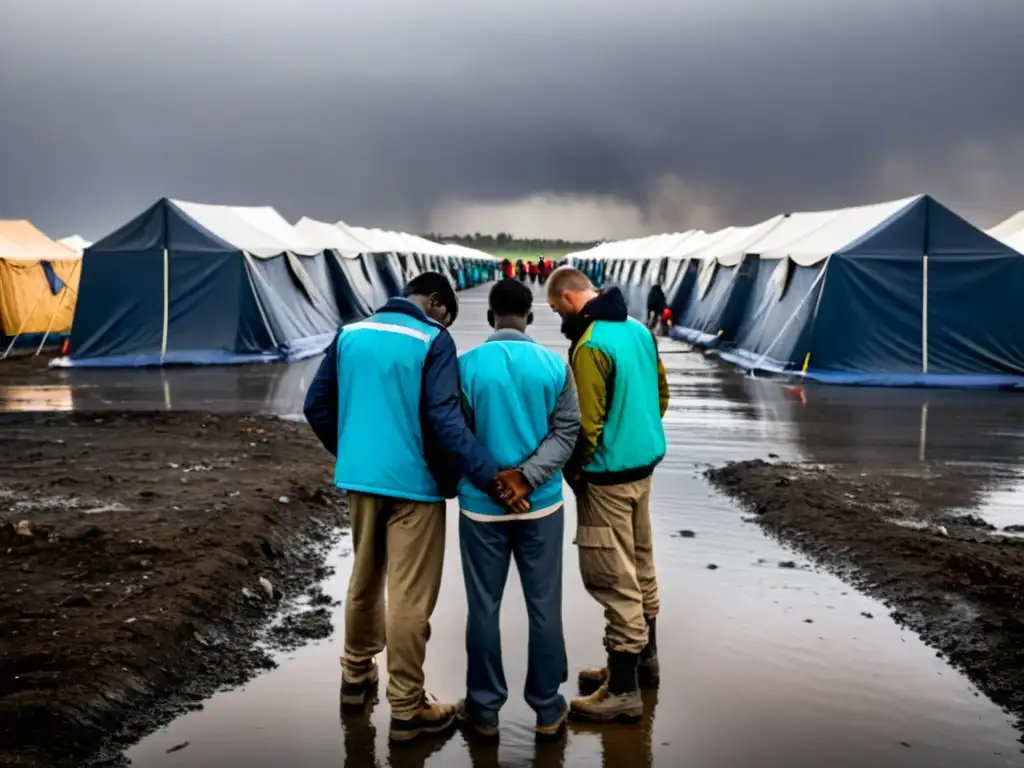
(895, 294)
(715, 286)
(185, 283)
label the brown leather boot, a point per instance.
(648, 669)
(618, 699)
(432, 717)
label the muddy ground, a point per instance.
(22, 364)
(948, 575)
(141, 559)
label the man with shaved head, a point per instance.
(623, 395)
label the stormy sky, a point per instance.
(575, 118)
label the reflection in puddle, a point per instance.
(38, 398)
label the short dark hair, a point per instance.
(510, 298)
(434, 282)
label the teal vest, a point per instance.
(511, 389)
(633, 435)
(380, 383)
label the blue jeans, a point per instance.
(487, 550)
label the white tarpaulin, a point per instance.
(810, 238)
(260, 232)
(1009, 229)
(729, 248)
(328, 236)
(76, 243)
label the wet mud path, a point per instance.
(140, 555)
(951, 576)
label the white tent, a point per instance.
(259, 231)
(76, 243)
(332, 237)
(1010, 229)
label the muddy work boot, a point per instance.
(476, 723)
(431, 718)
(356, 695)
(619, 699)
(649, 670)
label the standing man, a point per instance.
(623, 393)
(656, 305)
(521, 403)
(386, 402)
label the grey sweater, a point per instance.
(564, 426)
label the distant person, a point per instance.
(543, 270)
(511, 380)
(520, 269)
(531, 270)
(656, 306)
(506, 268)
(623, 393)
(386, 402)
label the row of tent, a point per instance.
(189, 283)
(902, 293)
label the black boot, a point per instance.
(619, 699)
(649, 668)
(622, 673)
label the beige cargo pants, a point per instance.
(616, 550)
(398, 544)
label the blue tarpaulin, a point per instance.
(189, 284)
(903, 294)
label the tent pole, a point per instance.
(924, 314)
(49, 323)
(21, 329)
(167, 305)
(922, 444)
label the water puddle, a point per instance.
(765, 660)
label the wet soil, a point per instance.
(949, 576)
(22, 364)
(142, 559)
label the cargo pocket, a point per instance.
(599, 559)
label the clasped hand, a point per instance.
(513, 490)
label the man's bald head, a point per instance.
(568, 290)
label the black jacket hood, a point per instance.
(608, 305)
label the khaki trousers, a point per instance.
(616, 550)
(398, 544)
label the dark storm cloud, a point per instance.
(377, 113)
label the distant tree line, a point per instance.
(506, 242)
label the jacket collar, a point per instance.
(404, 306)
(608, 305)
(509, 334)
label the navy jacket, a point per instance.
(450, 449)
